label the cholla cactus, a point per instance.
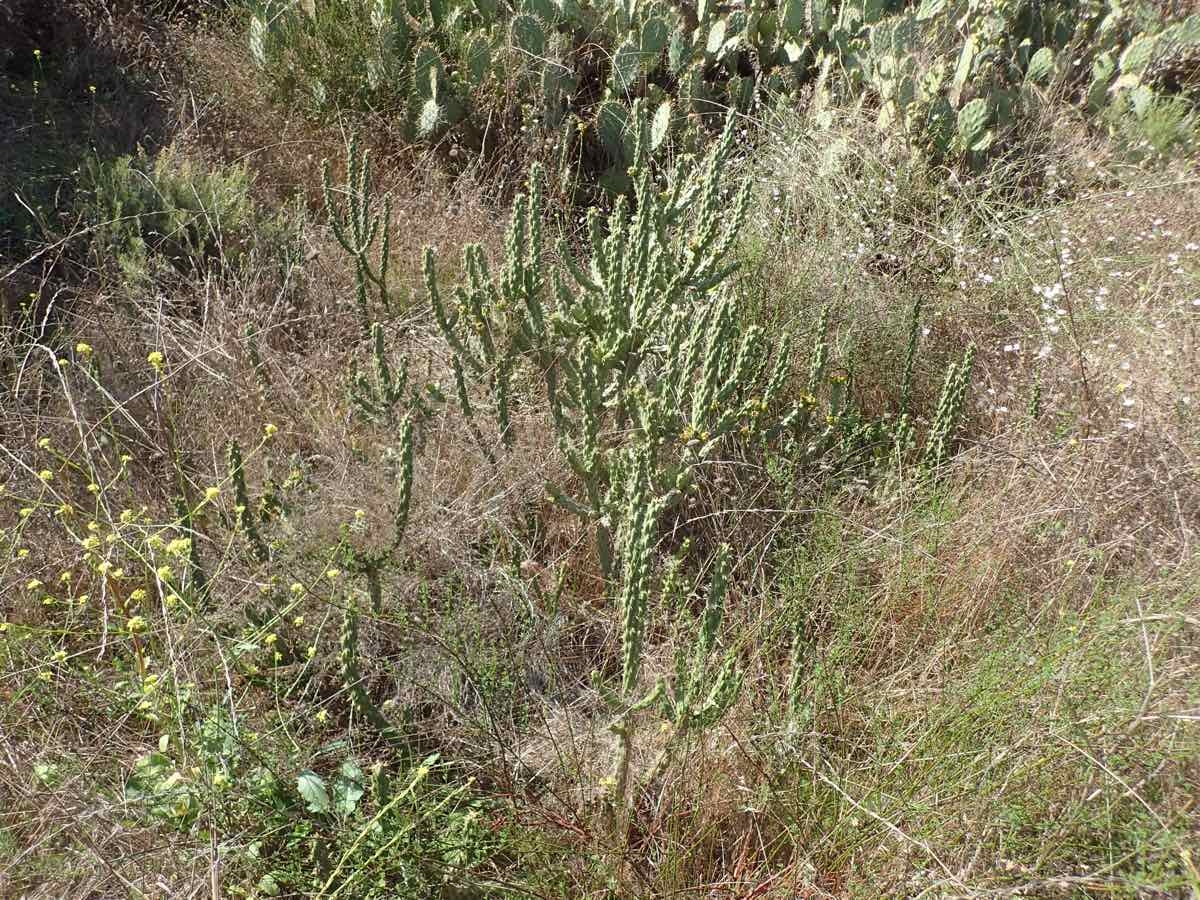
(700, 693)
(377, 395)
(949, 409)
(244, 511)
(360, 700)
(658, 360)
(643, 353)
(639, 538)
(495, 322)
(357, 225)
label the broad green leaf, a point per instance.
(312, 789)
(348, 788)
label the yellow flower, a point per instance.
(137, 596)
(270, 429)
(298, 621)
(45, 675)
(93, 488)
(311, 651)
(297, 588)
(44, 443)
(60, 655)
(165, 573)
(321, 717)
(136, 625)
(332, 573)
(3, 627)
(171, 600)
(33, 584)
(271, 639)
(212, 493)
(83, 349)
(25, 512)
(156, 360)
(46, 475)
(180, 547)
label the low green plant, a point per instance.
(162, 213)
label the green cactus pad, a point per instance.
(528, 34)
(626, 63)
(791, 17)
(612, 124)
(660, 125)
(1041, 66)
(973, 122)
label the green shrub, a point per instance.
(152, 215)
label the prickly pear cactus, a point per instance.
(974, 133)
